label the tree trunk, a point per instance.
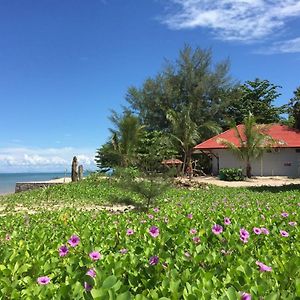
(189, 164)
(248, 169)
(184, 164)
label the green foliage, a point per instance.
(294, 109)
(192, 80)
(218, 267)
(154, 147)
(121, 150)
(147, 187)
(231, 174)
(256, 97)
(186, 132)
(126, 136)
(107, 156)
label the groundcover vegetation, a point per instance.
(210, 243)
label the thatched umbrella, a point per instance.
(173, 162)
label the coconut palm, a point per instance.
(186, 132)
(253, 142)
(126, 136)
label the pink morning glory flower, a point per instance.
(43, 280)
(154, 231)
(193, 231)
(87, 286)
(284, 233)
(63, 250)
(150, 216)
(217, 229)
(156, 209)
(245, 296)
(190, 216)
(244, 235)
(95, 255)
(292, 223)
(91, 273)
(74, 240)
(263, 267)
(264, 231)
(153, 260)
(196, 239)
(257, 230)
(285, 214)
(123, 251)
(7, 237)
(227, 221)
(130, 231)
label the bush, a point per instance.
(231, 174)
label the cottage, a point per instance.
(282, 160)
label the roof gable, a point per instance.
(290, 137)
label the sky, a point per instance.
(64, 64)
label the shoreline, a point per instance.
(6, 193)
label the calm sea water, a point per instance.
(8, 181)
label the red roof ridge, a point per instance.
(289, 137)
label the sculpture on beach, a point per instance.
(74, 173)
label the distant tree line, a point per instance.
(190, 100)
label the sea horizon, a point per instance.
(8, 180)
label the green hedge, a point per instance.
(231, 174)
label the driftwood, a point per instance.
(190, 184)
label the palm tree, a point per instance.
(126, 136)
(253, 142)
(187, 133)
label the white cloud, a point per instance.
(22, 159)
(240, 20)
(288, 46)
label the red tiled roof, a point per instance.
(288, 137)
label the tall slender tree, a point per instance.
(193, 79)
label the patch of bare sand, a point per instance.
(253, 182)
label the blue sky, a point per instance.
(65, 63)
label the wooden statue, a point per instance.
(80, 172)
(74, 174)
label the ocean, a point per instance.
(8, 180)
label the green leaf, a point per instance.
(124, 296)
(109, 282)
(273, 296)
(98, 293)
(231, 293)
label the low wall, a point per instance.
(26, 186)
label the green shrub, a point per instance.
(231, 174)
